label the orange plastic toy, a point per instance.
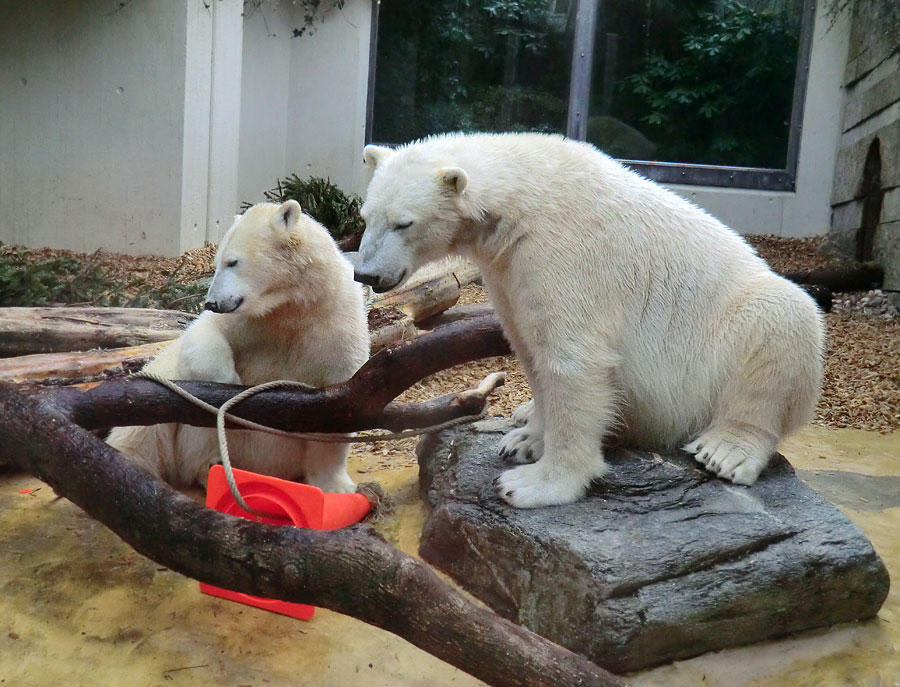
(289, 503)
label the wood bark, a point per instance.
(856, 277)
(26, 331)
(352, 571)
(423, 299)
(77, 367)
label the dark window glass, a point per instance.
(707, 82)
(695, 81)
(471, 65)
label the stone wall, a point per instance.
(866, 195)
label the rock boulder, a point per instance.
(662, 561)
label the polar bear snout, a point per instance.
(223, 306)
(379, 283)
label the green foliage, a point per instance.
(314, 12)
(470, 65)
(29, 281)
(323, 201)
(726, 97)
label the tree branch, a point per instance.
(351, 571)
(357, 404)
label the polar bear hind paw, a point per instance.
(522, 445)
(737, 454)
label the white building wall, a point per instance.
(106, 124)
(91, 124)
(303, 105)
(265, 95)
(329, 87)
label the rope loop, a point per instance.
(380, 503)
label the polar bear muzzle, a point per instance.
(379, 283)
(224, 306)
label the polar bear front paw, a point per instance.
(522, 445)
(736, 454)
(540, 484)
(522, 414)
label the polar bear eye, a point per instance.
(403, 225)
(231, 262)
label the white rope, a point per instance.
(222, 414)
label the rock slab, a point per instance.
(660, 562)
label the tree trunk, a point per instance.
(77, 367)
(858, 277)
(425, 298)
(351, 571)
(25, 331)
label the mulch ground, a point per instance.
(862, 365)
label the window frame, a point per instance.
(749, 178)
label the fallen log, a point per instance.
(78, 367)
(431, 294)
(387, 324)
(25, 331)
(352, 571)
(851, 277)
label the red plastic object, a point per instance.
(289, 503)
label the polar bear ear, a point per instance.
(287, 215)
(374, 155)
(454, 178)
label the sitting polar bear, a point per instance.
(282, 305)
(631, 310)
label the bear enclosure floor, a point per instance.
(81, 608)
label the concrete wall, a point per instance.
(304, 99)
(87, 157)
(871, 118)
(108, 126)
(807, 211)
(265, 94)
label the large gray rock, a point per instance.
(662, 561)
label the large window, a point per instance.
(688, 91)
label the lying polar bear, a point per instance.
(631, 310)
(282, 305)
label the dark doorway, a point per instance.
(872, 194)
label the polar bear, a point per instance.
(632, 311)
(282, 305)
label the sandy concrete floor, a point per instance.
(80, 608)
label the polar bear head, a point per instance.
(413, 213)
(271, 256)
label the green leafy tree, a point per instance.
(470, 65)
(726, 98)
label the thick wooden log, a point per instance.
(854, 277)
(354, 405)
(350, 571)
(432, 293)
(25, 331)
(77, 367)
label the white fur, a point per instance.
(297, 315)
(632, 311)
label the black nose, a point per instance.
(211, 305)
(367, 279)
